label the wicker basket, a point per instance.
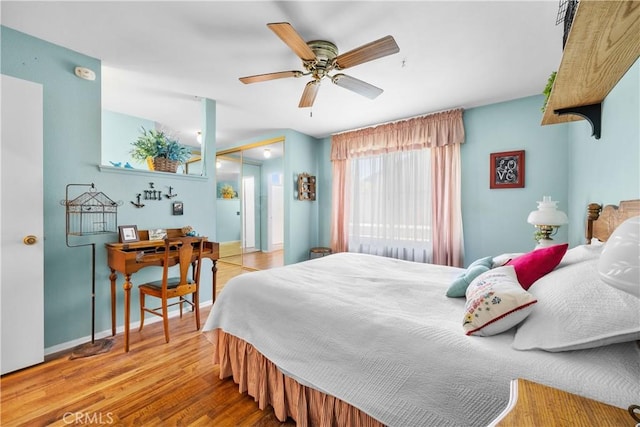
(162, 164)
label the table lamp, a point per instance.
(547, 219)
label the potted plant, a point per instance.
(165, 153)
(227, 191)
(547, 90)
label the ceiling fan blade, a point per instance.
(290, 36)
(270, 76)
(357, 86)
(309, 94)
(368, 52)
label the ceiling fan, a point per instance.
(320, 57)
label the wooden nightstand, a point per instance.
(533, 404)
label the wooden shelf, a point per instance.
(306, 187)
(603, 43)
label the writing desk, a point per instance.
(127, 258)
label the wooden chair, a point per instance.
(190, 254)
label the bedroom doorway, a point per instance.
(250, 205)
(22, 230)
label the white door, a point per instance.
(21, 215)
(276, 216)
(249, 213)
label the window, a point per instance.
(390, 209)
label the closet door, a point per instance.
(21, 226)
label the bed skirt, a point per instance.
(261, 379)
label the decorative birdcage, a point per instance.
(91, 212)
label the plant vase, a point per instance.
(162, 164)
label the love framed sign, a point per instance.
(506, 169)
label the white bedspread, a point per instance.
(380, 334)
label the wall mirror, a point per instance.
(120, 130)
(250, 205)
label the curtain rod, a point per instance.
(397, 121)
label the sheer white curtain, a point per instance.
(390, 205)
(437, 208)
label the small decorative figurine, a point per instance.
(187, 230)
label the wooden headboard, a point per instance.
(602, 221)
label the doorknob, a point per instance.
(30, 240)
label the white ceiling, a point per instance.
(159, 57)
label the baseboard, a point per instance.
(107, 333)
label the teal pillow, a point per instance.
(459, 286)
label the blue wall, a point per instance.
(72, 153)
(118, 132)
(495, 221)
(302, 153)
(607, 170)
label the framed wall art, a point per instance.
(506, 169)
(128, 233)
(178, 208)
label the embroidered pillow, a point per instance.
(495, 303)
(535, 264)
(461, 283)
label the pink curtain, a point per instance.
(446, 208)
(436, 131)
(340, 206)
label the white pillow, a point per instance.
(495, 302)
(580, 253)
(577, 310)
(619, 264)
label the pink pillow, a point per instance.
(535, 264)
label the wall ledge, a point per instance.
(140, 172)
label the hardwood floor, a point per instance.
(257, 260)
(155, 384)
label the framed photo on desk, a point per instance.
(157, 234)
(128, 233)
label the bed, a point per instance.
(360, 340)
